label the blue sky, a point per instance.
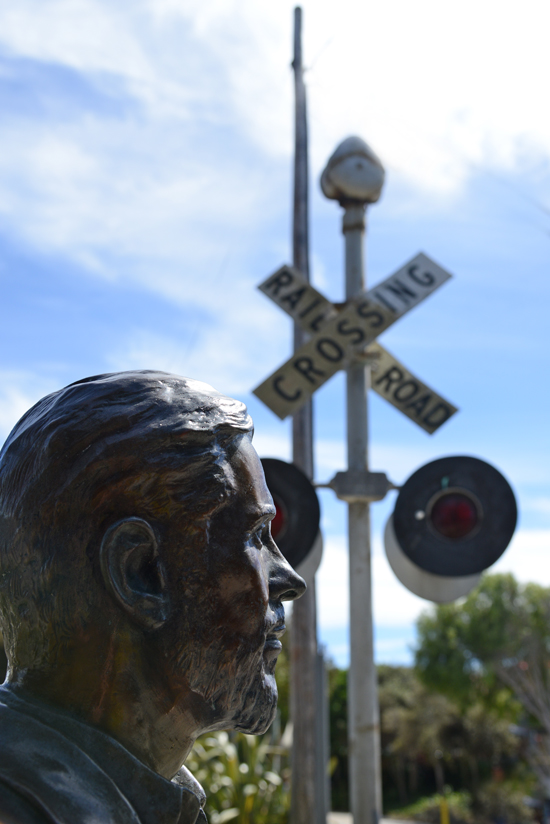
(145, 189)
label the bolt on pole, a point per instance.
(354, 176)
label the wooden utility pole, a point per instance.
(304, 809)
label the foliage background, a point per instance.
(469, 724)
(450, 727)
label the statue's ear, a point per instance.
(133, 571)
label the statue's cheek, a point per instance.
(244, 601)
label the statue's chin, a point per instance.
(259, 707)
(242, 695)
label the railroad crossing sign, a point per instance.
(342, 334)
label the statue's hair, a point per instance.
(102, 449)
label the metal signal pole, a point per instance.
(306, 804)
(354, 176)
(363, 720)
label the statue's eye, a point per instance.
(257, 538)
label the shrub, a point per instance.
(428, 809)
(246, 778)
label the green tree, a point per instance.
(422, 727)
(428, 740)
(494, 646)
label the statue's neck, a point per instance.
(111, 683)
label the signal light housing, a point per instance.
(298, 514)
(455, 516)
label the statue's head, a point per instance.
(134, 517)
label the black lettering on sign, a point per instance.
(343, 329)
(428, 280)
(407, 386)
(293, 298)
(380, 297)
(311, 306)
(401, 291)
(365, 310)
(279, 281)
(438, 415)
(306, 368)
(393, 375)
(282, 393)
(329, 350)
(314, 325)
(420, 404)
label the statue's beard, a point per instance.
(238, 684)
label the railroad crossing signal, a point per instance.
(295, 526)
(343, 334)
(440, 589)
(453, 518)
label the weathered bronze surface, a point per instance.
(141, 597)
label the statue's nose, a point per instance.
(284, 582)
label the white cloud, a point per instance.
(528, 556)
(18, 392)
(137, 194)
(121, 202)
(272, 446)
(13, 404)
(433, 89)
(330, 457)
(84, 35)
(393, 605)
(396, 460)
(332, 581)
(232, 352)
(541, 505)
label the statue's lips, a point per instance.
(273, 646)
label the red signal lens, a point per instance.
(454, 515)
(278, 523)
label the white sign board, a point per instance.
(393, 382)
(331, 349)
(403, 290)
(339, 336)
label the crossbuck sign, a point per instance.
(341, 335)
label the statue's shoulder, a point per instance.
(19, 784)
(14, 809)
(46, 773)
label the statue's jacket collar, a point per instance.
(75, 773)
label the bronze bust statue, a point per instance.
(141, 597)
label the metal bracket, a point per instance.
(367, 358)
(356, 486)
